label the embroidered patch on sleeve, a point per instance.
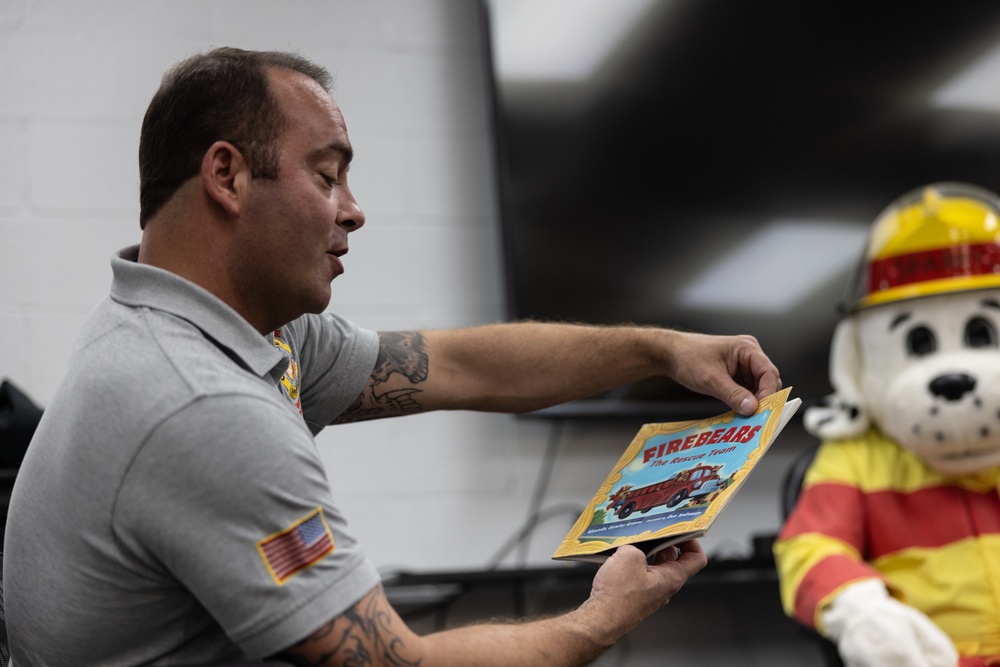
(299, 546)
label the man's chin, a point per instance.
(319, 305)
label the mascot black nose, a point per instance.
(952, 386)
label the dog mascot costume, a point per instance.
(893, 549)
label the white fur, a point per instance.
(843, 414)
(872, 629)
(873, 371)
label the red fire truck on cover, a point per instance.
(698, 481)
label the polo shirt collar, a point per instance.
(148, 286)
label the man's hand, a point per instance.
(627, 589)
(733, 369)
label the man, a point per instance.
(173, 509)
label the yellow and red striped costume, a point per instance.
(870, 508)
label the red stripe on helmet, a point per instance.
(973, 259)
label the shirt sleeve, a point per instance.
(335, 358)
(821, 545)
(230, 496)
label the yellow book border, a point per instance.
(572, 546)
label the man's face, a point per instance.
(294, 229)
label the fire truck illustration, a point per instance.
(695, 482)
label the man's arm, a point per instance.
(526, 366)
(625, 591)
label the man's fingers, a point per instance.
(769, 383)
(689, 556)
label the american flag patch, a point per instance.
(297, 547)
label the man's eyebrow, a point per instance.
(899, 319)
(344, 151)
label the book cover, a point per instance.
(674, 479)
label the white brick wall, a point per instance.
(435, 491)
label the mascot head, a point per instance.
(917, 353)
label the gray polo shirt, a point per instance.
(172, 507)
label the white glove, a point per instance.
(872, 629)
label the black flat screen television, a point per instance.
(717, 167)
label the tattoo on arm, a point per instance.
(402, 358)
(361, 637)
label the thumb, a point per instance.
(741, 400)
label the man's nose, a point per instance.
(352, 217)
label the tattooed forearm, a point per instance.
(401, 352)
(374, 622)
(362, 637)
(401, 365)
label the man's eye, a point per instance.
(329, 181)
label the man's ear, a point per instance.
(224, 175)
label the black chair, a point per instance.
(4, 645)
(790, 489)
(791, 485)
(19, 417)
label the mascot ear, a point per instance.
(842, 414)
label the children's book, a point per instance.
(674, 479)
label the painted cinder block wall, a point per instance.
(431, 492)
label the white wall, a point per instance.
(430, 492)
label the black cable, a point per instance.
(541, 486)
(534, 520)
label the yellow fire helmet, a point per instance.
(939, 238)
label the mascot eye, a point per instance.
(920, 341)
(979, 332)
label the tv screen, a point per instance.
(715, 165)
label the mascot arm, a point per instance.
(820, 547)
(812, 568)
(872, 629)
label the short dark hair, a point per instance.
(219, 95)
